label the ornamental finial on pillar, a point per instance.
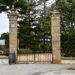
(13, 7)
(13, 11)
(55, 9)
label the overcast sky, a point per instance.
(4, 22)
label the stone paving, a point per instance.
(37, 69)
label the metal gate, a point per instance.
(34, 53)
(35, 37)
(38, 57)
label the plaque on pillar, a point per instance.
(12, 25)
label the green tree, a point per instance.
(30, 29)
(5, 36)
(34, 24)
(67, 8)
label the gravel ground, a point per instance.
(37, 69)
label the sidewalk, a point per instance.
(37, 69)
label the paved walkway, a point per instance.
(37, 69)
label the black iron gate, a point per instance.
(34, 34)
(37, 50)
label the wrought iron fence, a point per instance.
(37, 50)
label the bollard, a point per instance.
(11, 58)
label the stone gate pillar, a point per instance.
(55, 32)
(12, 36)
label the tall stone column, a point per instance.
(55, 32)
(12, 37)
